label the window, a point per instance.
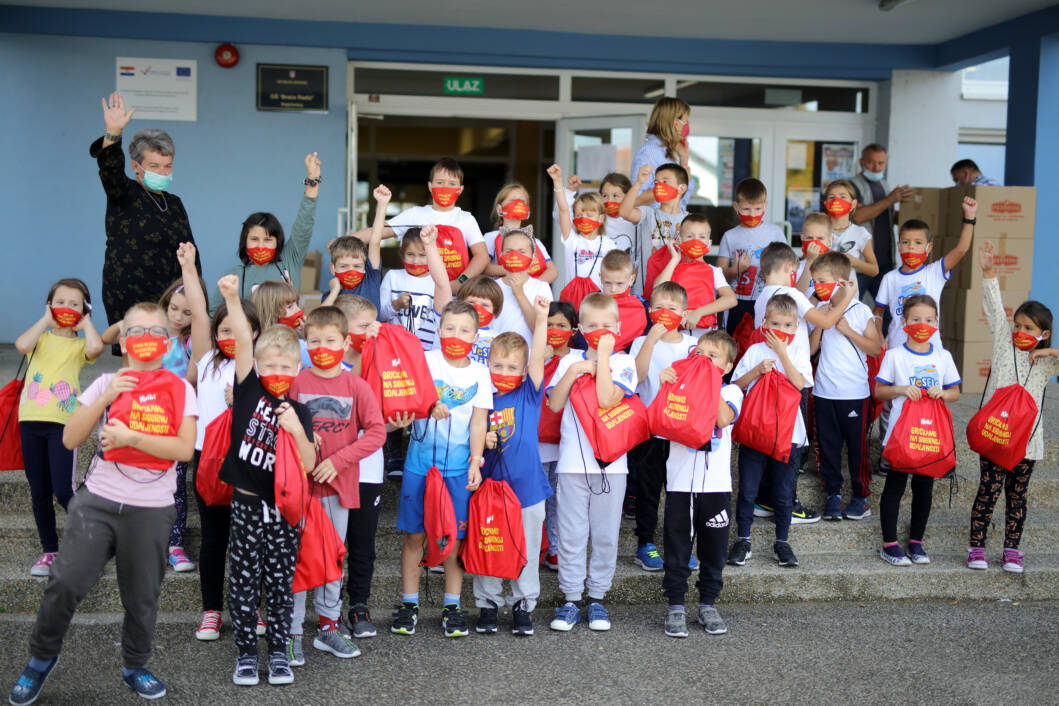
(988, 81)
(845, 99)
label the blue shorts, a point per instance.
(410, 507)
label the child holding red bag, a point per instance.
(617, 276)
(1023, 357)
(915, 368)
(655, 227)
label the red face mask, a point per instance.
(836, 208)
(227, 347)
(794, 277)
(261, 256)
(445, 196)
(1024, 341)
(819, 243)
(357, 340)
(623, 293)
(751, 221)
(784, 336)
(558, 337)
(612, 208)
(593, 338)
(146, 348)
(350, 278)
(667, 317)
(665, 192)
(694, 248)
(824, 290)
(325, 358)
(415, 270)
(277, 385)
(505, 383)
(913, 260)
(920, 333)
(517, 210)
(514, 261)
(586, 225)
(484, 315)
(65, 316)
(455, 348)
(293, 319)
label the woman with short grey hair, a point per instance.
(144, 223)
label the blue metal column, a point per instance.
(1024, 74)
(1045, 174)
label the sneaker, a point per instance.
(279, 669)
(295, 655)
(262, 626)
(245, 671)
(453, 621)
(551, 561)
(648, 558)
(405, 619)
(521, 620)
(894, 555)
(857, 509)
(1013, 559)
(210, 627)
(693, 563)
(739, 552)
(179, 560)
(784, 555)
(145, 684)
(976, 558)
(43, 566)
(598, 617)
(628, 508)
(395, 474)
(360, 619)
(763, 510)
(30, 682)
(800, 515)
(566, 617)
(486, 621)
(334, 642)
(917, 553)
(439, 569)
(676, 623)
(711, 621)
(833, 509)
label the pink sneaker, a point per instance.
(179, 560)
(262, 626)
(210, 627)
(1013, 561)
(43, 565)
(976, 558)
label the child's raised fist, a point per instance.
(312, 165)
(986, 253)
(970, 207)
(556, 173)
(645, 173)
(542, 306)
(229, 286)
(381, 194)
(573, 182)
(185, 254)
(429, 235)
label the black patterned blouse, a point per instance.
(143, 229)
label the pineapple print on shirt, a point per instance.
(42, 395)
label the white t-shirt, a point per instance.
(850, 241)
(372, 466)
(419, 316)
(662, 356)
(428, 215)
(490, 246)
(759, 352)
(621, 231)
(210, 391)
(573, 444)
(584, 257)
(748, 284)
(801, 336)
(692, 471)
(903, 366)
(511, 317)
(842, 370)
(896, 286)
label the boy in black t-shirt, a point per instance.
(263, 548)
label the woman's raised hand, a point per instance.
(115, 117)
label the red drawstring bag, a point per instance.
(394, 366)
(632, 318)
(576, 291)
(874, 365)
(611, 432)
(496, 540)
(922, 440)
(550, 421)
(539, 264)
(439, 519)
(655, 264)
(696, 277)
(291, 483)
(686, 411)
(746, 335)
(215, 445)
(155, 406)
(10, 437)
(1001, 430)
(453, 250)
(769, 413)
(320, 551)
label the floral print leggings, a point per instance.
(1014, 483)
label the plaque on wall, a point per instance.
(288, 87)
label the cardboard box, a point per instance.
(973, 360)
(963, 317)
(929, 205)
(311, 271)
(1002, 210)
(308, 302)
(1013, 263)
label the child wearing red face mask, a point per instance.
(411, 297)
(708, 292)
(655, 227)
(517, 287)
(486, 297)
(49, 396)
(510, 209)
(612, 189)
(840, 201)
(583, 233)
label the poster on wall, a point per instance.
(159, 89)
(799, 204)
(838, 162)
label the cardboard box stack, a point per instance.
(1006, 218)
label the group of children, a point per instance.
(507, 362)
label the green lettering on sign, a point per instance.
(464, 86)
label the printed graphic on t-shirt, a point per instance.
(502, 422)
(418, 317)
(331, 414)
(908, 290)
(627, 375)
(925, 376)
(62, 393)
(747, 278)
(258, 446)
(587, 256)
(664, 231)
(452, 396)
(843, 247)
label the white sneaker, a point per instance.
(262, 626)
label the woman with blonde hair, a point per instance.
(666, 141)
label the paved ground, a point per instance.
(807, 652)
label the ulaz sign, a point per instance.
(464, 86)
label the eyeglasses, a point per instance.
(159, 331)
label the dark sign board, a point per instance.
(292, 87)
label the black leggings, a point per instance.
(1015, 484)
(216, 522)
(50, 471)
(890, 504)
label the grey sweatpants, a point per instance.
(584, 511)
(489, 590)
(327, 599)
(96, 530)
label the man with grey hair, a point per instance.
(144, 222)
(875, 211)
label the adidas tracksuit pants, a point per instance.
(838, 422)
(702, 518)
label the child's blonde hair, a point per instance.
(845, 184)
(271, 300)
(348, 246)
(141, 308)
(600, 302)
(323, 316)
(661, 123)
(353, 304)
(722, 339)
(509, 342)
(167, 297)
(279, 338)
(782, 304)
(504, 192)
(617, 261)
(591, 199)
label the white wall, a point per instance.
(923, 127)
